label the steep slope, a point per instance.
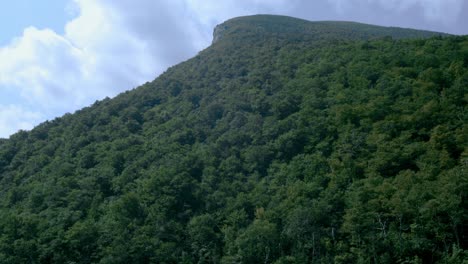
(279, 147)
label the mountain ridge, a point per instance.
(278, 25)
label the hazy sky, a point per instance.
(57, 56)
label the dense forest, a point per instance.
(285, 141)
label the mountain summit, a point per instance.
(292, 28)
(286, 141)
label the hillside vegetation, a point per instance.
(285, 141)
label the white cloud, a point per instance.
(444, 11)
(14, 118)
(42, 66)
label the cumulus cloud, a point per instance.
(14, 118)
(42, 66)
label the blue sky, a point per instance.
(16, 15)
(57, 56)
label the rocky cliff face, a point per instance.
(218, 32)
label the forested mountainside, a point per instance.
(285, 141)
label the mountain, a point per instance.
(285, 141)
(251, 27)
